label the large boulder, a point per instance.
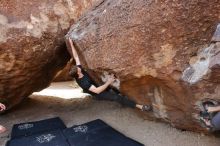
(160, 52)
(32, 48)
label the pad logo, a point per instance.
(45, 138)
(25, 126)
(82, 129)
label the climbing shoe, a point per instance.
(146, 108)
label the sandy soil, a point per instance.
(76, 108)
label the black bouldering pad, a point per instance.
(52, 138)
(78, 130)
(37, 127)
(97, 133)
(94, 133)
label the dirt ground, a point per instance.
(76, 108)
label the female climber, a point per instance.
(99, 92)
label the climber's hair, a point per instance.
(73, 72)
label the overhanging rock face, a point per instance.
(159, 50)
(32, 47)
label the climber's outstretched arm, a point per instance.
(75, 55)
(213, 109)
